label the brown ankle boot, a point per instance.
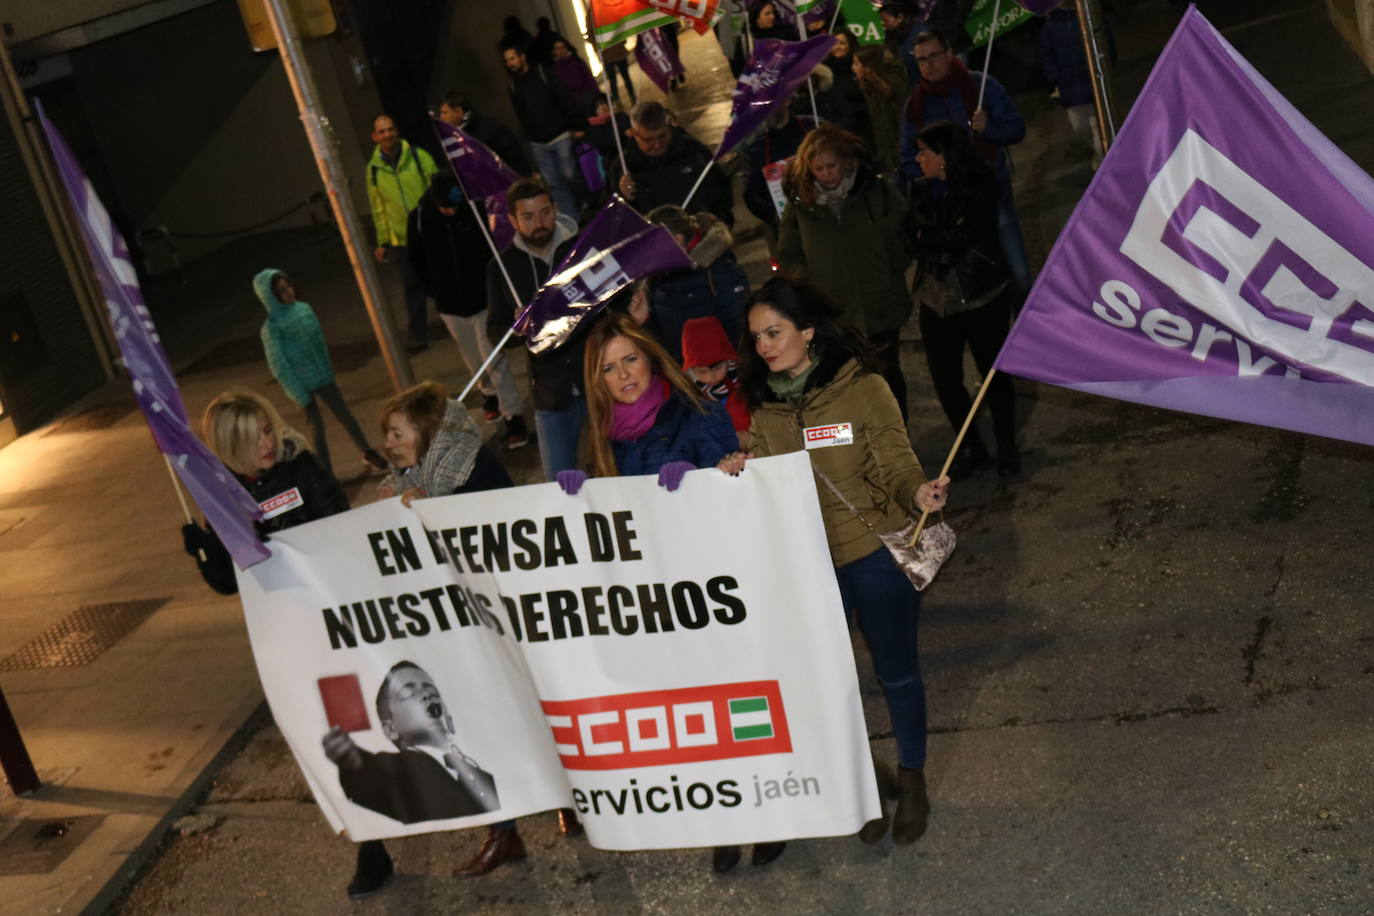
(499, 846)
(568, 824)
(913, 807)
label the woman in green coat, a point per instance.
(882, 81)
(842, 232)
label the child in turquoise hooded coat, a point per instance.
(298, 357)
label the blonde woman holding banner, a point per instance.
(809, 371)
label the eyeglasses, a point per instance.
(931, 58)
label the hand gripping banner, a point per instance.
(1220, 263)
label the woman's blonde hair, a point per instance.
(600, 408)
(826, 138)
(231, 428)
(423, 406)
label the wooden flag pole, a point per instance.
(954, 450)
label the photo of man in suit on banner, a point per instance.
(429, 778)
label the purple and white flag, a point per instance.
(1220, 263)
(617, 248)
(226, 504)
(482, 175)
(657, 59)
(770, 77)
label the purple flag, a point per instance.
(1220, 263)
(770, 77)
(226, 504)
(657, 59)
(617, 248)
(482, 175)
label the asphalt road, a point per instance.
(1150, 667)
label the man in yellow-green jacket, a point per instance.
(397, 177)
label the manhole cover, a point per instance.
(80, 637)
(101, 416)
(36, 847)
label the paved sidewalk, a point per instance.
(1148, 735)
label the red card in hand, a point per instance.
(343, 703)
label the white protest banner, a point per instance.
(673, 665)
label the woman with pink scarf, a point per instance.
(644, 415)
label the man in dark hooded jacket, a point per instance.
(450, 254)
(456, 109)
(664, 162)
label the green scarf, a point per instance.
(791, 389)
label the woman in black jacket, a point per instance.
(272, 461)
(962, 286)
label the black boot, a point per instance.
(374, 870)
(913, 807)
(766, 852)
(724, 858)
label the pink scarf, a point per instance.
(631, 421)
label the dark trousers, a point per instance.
(888, 345)
(983, 330)
(417, 303)
(888, 610)
(332, 397)
(621, 67)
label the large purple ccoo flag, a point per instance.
(1220, 263)
(482, 175)
(226, 504)
(770, 77)
(617, 248)
(657, 60)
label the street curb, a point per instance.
(141, 856)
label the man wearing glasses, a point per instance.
(948, 91)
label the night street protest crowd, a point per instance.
(689, 368)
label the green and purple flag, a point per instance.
(1220, 263)
(228, 507)
(617, 248)
(980, 23)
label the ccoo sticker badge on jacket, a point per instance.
(282, 503)
(828, 435)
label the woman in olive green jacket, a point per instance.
(842, 232)
(809, 371)
(882, 80)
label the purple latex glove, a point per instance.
(571, 480)
(670, 475)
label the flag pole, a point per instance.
(836, 18)
(954, 449)
(700, 178)
(987, 59)
(496, 255)
(615, 127)
(181, 498)
(1106, 122)
(810, 85)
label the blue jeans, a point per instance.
(889, 609)
(558, 431)
(555, 161)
